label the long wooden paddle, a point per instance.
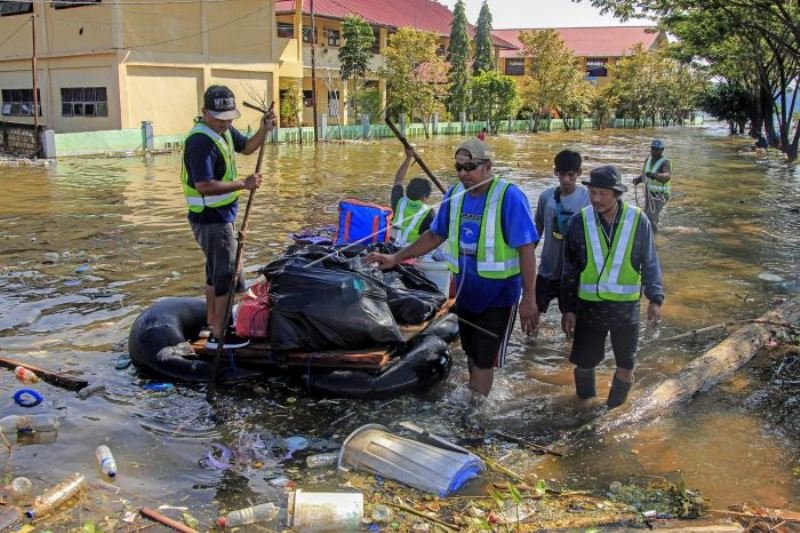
(242, 236)
(417, 158)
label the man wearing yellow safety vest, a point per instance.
(657, 178)
(609, 258)
(488, 224)
(211, 186)
(412, 215)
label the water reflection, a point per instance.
(119, 232)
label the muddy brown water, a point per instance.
(728, 248)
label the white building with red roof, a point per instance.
(597, 48)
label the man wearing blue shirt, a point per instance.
(488, 224)
(211, 187)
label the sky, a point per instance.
(541, 14)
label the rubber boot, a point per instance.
(618, 393)
(584, 383)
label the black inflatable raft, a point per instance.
(423, 362)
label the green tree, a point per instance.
(458, 55)
(484, 54)
(577, 103)
(602, 107)
(356, 53)
(415, 74)
(551, 73)
(754, 44)
(494, 97)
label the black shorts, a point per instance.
(218, 242)
(484, 336)
(546, 291)
(588, 346)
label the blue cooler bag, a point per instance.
(363, 223)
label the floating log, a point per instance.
(58, 380)
(714, 366)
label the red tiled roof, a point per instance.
(611, 41)
(427, 15)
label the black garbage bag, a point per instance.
(321, 308)
(410, 306)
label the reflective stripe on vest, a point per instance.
(194, 199)
(410, 213)
(652, 184)
(495, 259)
(609, 274)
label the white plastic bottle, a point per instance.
(249, 515)
(26, 376)
(322, 459)
(56, 495)
(15, 423)
(106, 461)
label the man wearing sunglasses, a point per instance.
(488, 224)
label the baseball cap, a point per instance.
(220, 103)
(476, 148)
(657, 144)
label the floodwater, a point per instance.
(728, 248)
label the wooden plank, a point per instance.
(260, 351)
(59, 380)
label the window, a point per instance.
(441, 51)
(84, 102)
(15, 8)
(307, 35)
(286, 30)
(64, 4)
(596, 67)
(308, 98)
(515, 66)
(333, 37)
(19, 102)
(376, 46)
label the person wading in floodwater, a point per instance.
(657, 178)
(412, 215)
(609, 256)
(491, 236)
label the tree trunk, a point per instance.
(716, 365)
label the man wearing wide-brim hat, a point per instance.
(609, 259)
(657, 178)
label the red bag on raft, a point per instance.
(252, 318)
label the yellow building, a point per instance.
(597, 48)
(111, 64)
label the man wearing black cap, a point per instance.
(609, 257)
(211, 187)
(657, 178)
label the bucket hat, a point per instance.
(606, 177)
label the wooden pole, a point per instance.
(417, 158)
(34, 75)
(314, 73)
(242, 237)
(167, 521)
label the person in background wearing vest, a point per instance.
(412, 217)
(609, 256)
(491, 235)
(211, 186)
(553, 211)
(656, 176)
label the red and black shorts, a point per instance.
(485, 336)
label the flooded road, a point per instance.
(87, 244)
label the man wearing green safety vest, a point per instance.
(609, 258)
(657, 178)
(412, 215)
(491, 235)
(211, 187)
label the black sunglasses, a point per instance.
(469, 166)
